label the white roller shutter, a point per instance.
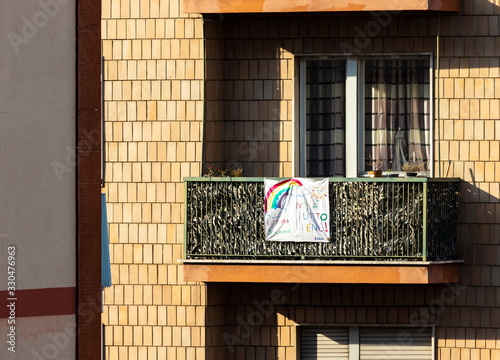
(367, 343)
(324, 343)
(395, 343)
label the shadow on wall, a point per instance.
(479, 233)
(250, 76)
(244, 97)
(249, 66)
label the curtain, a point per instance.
(325, 118)
(397, 113)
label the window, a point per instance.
(366, 113)
(366, 343)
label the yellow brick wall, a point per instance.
(154, 109)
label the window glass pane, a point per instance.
(325, 118)
(397, 113)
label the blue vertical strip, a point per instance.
(105, 260)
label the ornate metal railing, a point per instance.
(371, 219)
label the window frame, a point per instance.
(354, 108)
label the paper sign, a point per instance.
(297, 210)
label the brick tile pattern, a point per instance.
(154, 110)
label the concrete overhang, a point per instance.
(293, 6)
(322, 272)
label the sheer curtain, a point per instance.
(397, 113)
(325, 118)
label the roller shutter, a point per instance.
(366, 343)
(325, 343)
(395, 343)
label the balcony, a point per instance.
(384, 230)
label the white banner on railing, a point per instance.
(297, 210)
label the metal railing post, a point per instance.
(424, 222)
(184, 251)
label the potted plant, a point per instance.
(411, 168)
(390, 172)
(376, 166)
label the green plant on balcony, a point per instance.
(216, 172)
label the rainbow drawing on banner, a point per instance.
(277, 193)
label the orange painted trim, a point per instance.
(40, 302)
(324, 274)
(280, 6)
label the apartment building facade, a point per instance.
(191, 85)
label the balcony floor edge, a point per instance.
(436, 272)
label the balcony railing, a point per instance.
(371, 219)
